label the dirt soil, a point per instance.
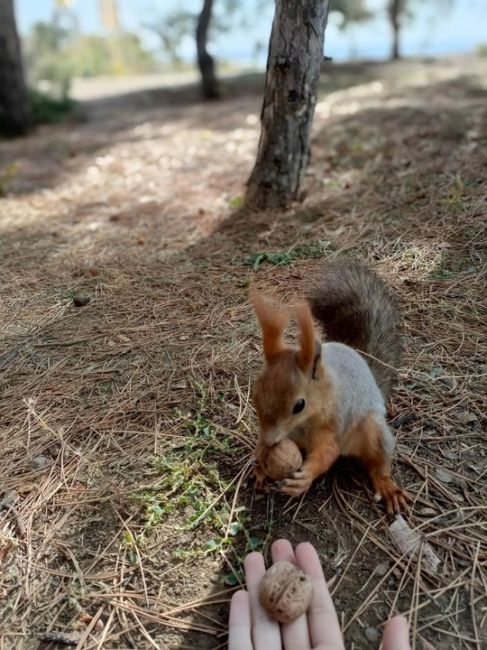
(128, 348)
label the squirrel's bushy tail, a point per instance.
(355, 307)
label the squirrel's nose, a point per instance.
(273, 437)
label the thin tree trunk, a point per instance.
(395, 8)
(293, 70)
(206, 64)
(14, 105)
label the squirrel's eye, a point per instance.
(299, 406)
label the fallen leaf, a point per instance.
(410, 541)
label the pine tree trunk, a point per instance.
(14, 105)
(395, 8)
(206, 64)
(293, 70)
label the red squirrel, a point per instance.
(328, 397)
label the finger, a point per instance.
(239, 631)
(322, 619)
(396, 634)
(295, 635)
(265, 632)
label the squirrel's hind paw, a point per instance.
(395, 498)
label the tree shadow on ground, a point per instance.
(54, 153)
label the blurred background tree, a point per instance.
(400, 12)
(351, 11)
(60, 48)
(206, 63)
(204, 26)
(14, 106)
(220, 16)
(172, 29)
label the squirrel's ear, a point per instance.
(273, 320)
(317, 367)
(307, 337)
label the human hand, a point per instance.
(250, 628)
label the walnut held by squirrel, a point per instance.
(326, 397)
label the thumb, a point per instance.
(396, 634)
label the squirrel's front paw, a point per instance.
(296, 484)
(260, 478)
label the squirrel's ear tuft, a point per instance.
(307, 337)
(273, 320)
(317, 367)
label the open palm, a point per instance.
(250, 627)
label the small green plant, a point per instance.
(454, 198)
(236, 202)
(311, 250)
(188, 487)
(451, 266)
(191, 491)
(7, 174)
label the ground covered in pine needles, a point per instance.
(128, 348)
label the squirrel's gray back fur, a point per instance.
(359, 393)
(355, 307)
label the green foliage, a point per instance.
(48, 110)
(404, 9)
(191, 493)
(123, 53)
(7, 174)
(187, 487)
(44, 52)
(54, 55)
(178, 24)
(352, 11)
(171, 30)
(454, 197)
(451, 266)
(236, 202)
(481, 49)
(311, 250)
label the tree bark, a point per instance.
(395, 9)
(209, 85)
(14, 103)
(293, 70)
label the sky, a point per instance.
(433, 32)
